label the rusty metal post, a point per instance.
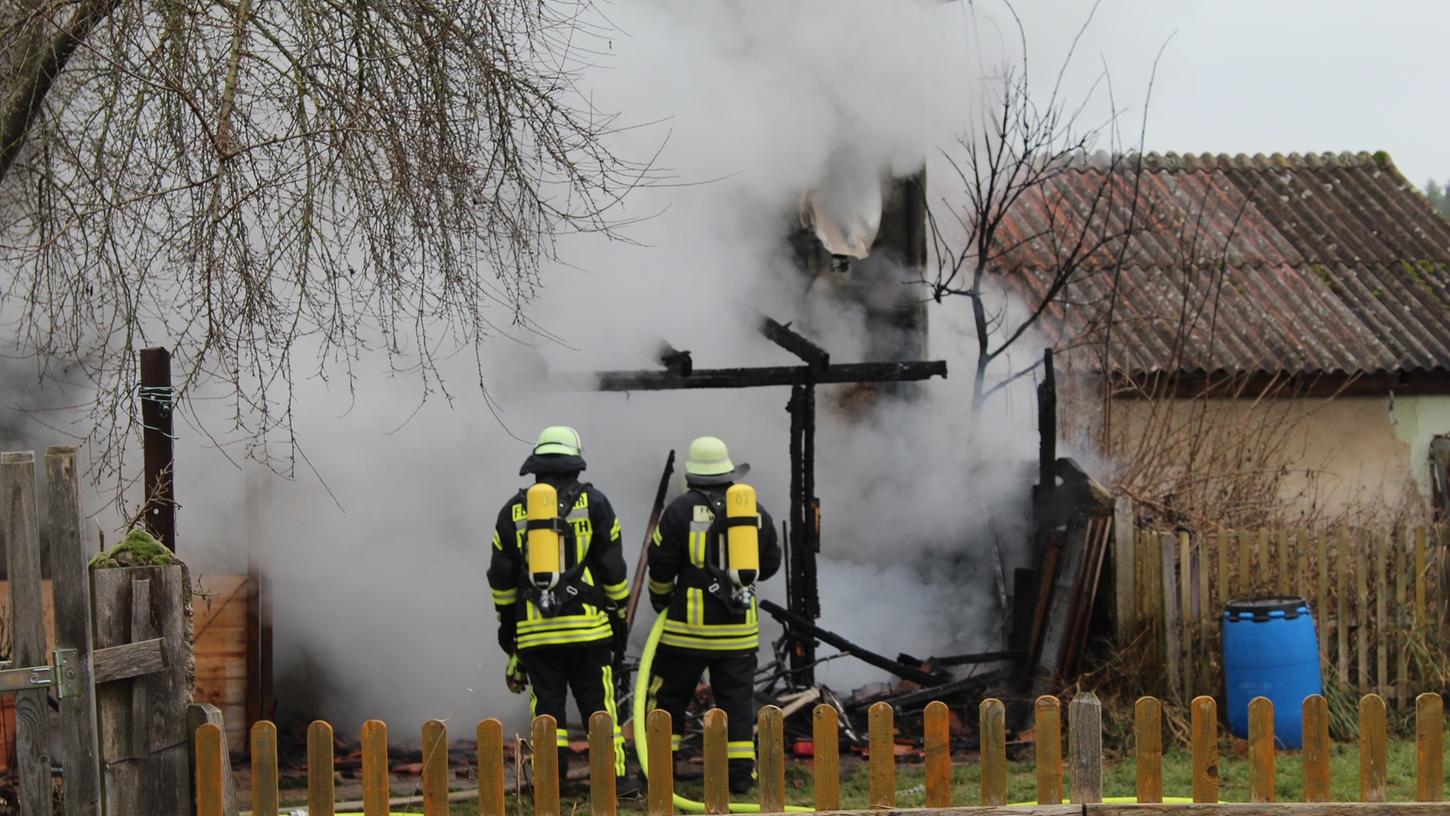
(157, 398)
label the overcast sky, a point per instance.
(1265, 76)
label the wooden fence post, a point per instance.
(1372, 778)
(882, 759)
(1316, 749)
(1124, 589)
(717, 763)
(1429, 747)
(1049, 750)
(72, 593)
(197, 715)
(320, 794)
(936, 722)
(1261, 750)
(603, 796)
(142, 721)
(1148, 750)
(770, 726)
(661, 763)
(209, 794)
(1203, 725)
(264, 769)
(375, 787)
(1168, 543)
(490, 768)
(1341, 616)
(545, 737)
(434, 743)
(1085, 746)
(992, 726)
(27, 628)
(827, 738)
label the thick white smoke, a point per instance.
(377, 561)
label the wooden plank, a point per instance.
(1261, 750)
(1288, 577)
(770, 766)
(1400, 567)
(1316, 749)
(263, 756)
(937, 734)
(1206, 618)
(198, 715)
(544, 737)
(1253, 809)
(1048, 746)
(882, 757)
(1361, 607)
(375, 774)
(826, 735)
(1372, 776)
(1421, 581)
(1148, 748)
(160, 781)
(1245, 583)
(434, 744)
(27, 628)
(1429, 747)
(1341, 620)
(661, 771)
(490, 767)
(717, 763)
(68, 566)
(1085, 747)
(992, 728)
(1168, 545)
(129, 660)
(1299, 563)
(140, 630)
(603, 795)
(1124, 588)
(1203, 728)
(1321, 593)
(1185, 611)
(320, 798)
(1381, 554)
(1225, 558)
(209, 801)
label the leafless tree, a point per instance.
(270, 189)
(1010, 159)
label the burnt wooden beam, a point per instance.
(157, 401)
(785, 337)
(769, 376)
(802, 626)
(676, 361)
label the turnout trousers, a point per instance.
(676, 674)
(587, 670)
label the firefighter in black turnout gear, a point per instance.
(712, 545)
(558, 579)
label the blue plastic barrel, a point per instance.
(1270, 650)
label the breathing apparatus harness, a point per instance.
(735, 530)
(550, 534)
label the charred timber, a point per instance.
(800, 626)
(783, 336)
(769, 376)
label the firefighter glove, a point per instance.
(514, 675)
(508, 629)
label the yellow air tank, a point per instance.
(742, 540)
(546, 551)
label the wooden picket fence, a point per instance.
(1378, 597)
(1084, 757)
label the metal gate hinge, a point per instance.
(62, 676)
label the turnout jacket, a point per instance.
(679, 559)
(595, 534)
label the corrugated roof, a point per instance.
(1315, 264)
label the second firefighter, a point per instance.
(712, 545)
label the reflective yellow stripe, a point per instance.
(661, 587)
(697, 548)
(658, 539)
(504, 597)
(562, 638)
(564, 622)
(743, 749)
(738, 644)
(617, 592)
(674, 742)
(694, 607)
(616, 531)
(561, 738)
(609, 705)
(707, 629)
(497, 542)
